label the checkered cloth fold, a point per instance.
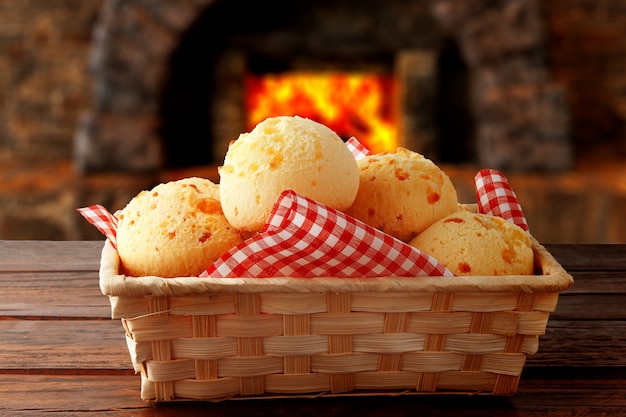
(304, 238)
(496, 197)
(357, 148)
(104, 221)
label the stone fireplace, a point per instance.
(473, 86)
(480, 83)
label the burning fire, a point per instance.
(351, 104)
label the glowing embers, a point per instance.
(352, 104)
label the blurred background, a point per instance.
(100, 99)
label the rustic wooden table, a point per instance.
(61, 354)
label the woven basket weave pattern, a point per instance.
(249, 338)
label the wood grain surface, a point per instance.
(62, 355)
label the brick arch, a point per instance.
(520, 114)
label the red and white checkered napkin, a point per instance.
(496, 197)
(304, 238)
(103, 220)
(357, 148)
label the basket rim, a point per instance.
(552, 278)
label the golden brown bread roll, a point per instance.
(285, 153)
(176, 229)
(478, 244)
(402, 193)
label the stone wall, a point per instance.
(587, 56)
(519, 113)
(45, 84)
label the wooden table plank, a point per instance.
(594, 257)
(60, 354)
(28, 255)
(581, 343)
(542, 394)
(594, 282)
(579, 306)
(63, 345)
(52, 294)
(54, 394)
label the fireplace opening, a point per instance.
(347, 57)
(455, 128)
(203, 108)
(185, 99)
(472, 84)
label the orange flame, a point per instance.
(351, 104)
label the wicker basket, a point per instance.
(212, 339)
